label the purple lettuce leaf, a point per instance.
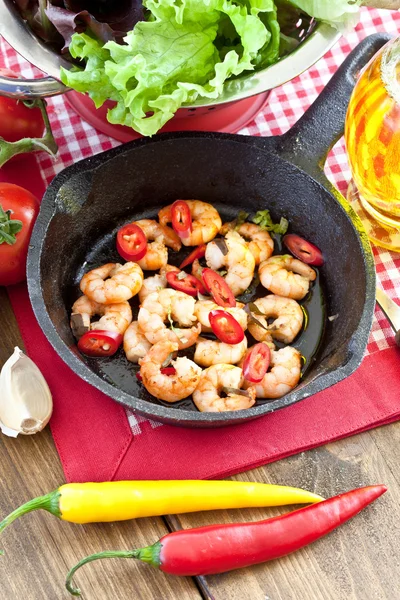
(55, 21)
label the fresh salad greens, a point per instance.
(55, 21)
(182, 50)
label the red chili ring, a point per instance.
(99, 342)
(225, 327)
(181, 218)
(256, 363)
(188, 284)
(218, 288)
(131, 242)
(303, 250)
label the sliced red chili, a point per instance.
(131, 242)
(181, 218)
(256, 363)
(197, 253)
(303, 250)
(218, 288)
(225, 327)
(185, 283)
(100, 342)
(165, 371)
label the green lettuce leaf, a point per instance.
(172, 59)
(340, 13)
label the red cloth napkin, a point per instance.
(95, 440)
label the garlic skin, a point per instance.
(26, 403)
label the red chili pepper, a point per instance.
(197, 253)
(219, 548)
(303, 250)
(131, 242)
(218, 288)
(181, 218)
(100, 343)
(165, 371)
(225, 327)
(256, 363)
(188, 284)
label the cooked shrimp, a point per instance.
(288, 319)
(211, 352)
(207, 395)
(283, 376)
(286, 276)
(203, 308)
(112, 283)
(155, 282)
(238, 261)
(166, 304)
(152, 284)
(260, 243)
(206, 222)
(156, 255)
(136, 345)
(114, 317)
(170, 388)
(153, 230)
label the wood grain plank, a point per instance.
(359, 560)
(39, 549)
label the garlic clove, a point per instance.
(26, 403)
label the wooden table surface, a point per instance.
(360, 560)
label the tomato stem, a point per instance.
(46, 143)
(8, 227)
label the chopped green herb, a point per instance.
(171, 322)
(264, 220)
(240, 219)
(222, 272)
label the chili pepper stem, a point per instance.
(49, 502)
(149, 554)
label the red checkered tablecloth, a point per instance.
(77, 140)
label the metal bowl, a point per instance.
(17, 33)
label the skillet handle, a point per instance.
(308, 142)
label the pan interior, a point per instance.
(91, 204)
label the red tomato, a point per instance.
(189, 284)
(256, 363)
(225, 327)
(23, 207)
(165, 371)
(197, 253)
(218, 288)
(99, 342)
(17, 121)
(303, 250)
(181, 218)
(131, 242)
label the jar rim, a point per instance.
(390, 69)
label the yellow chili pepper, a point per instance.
(122, 500)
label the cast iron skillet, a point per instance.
(88, 201)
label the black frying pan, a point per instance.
(88, 201)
